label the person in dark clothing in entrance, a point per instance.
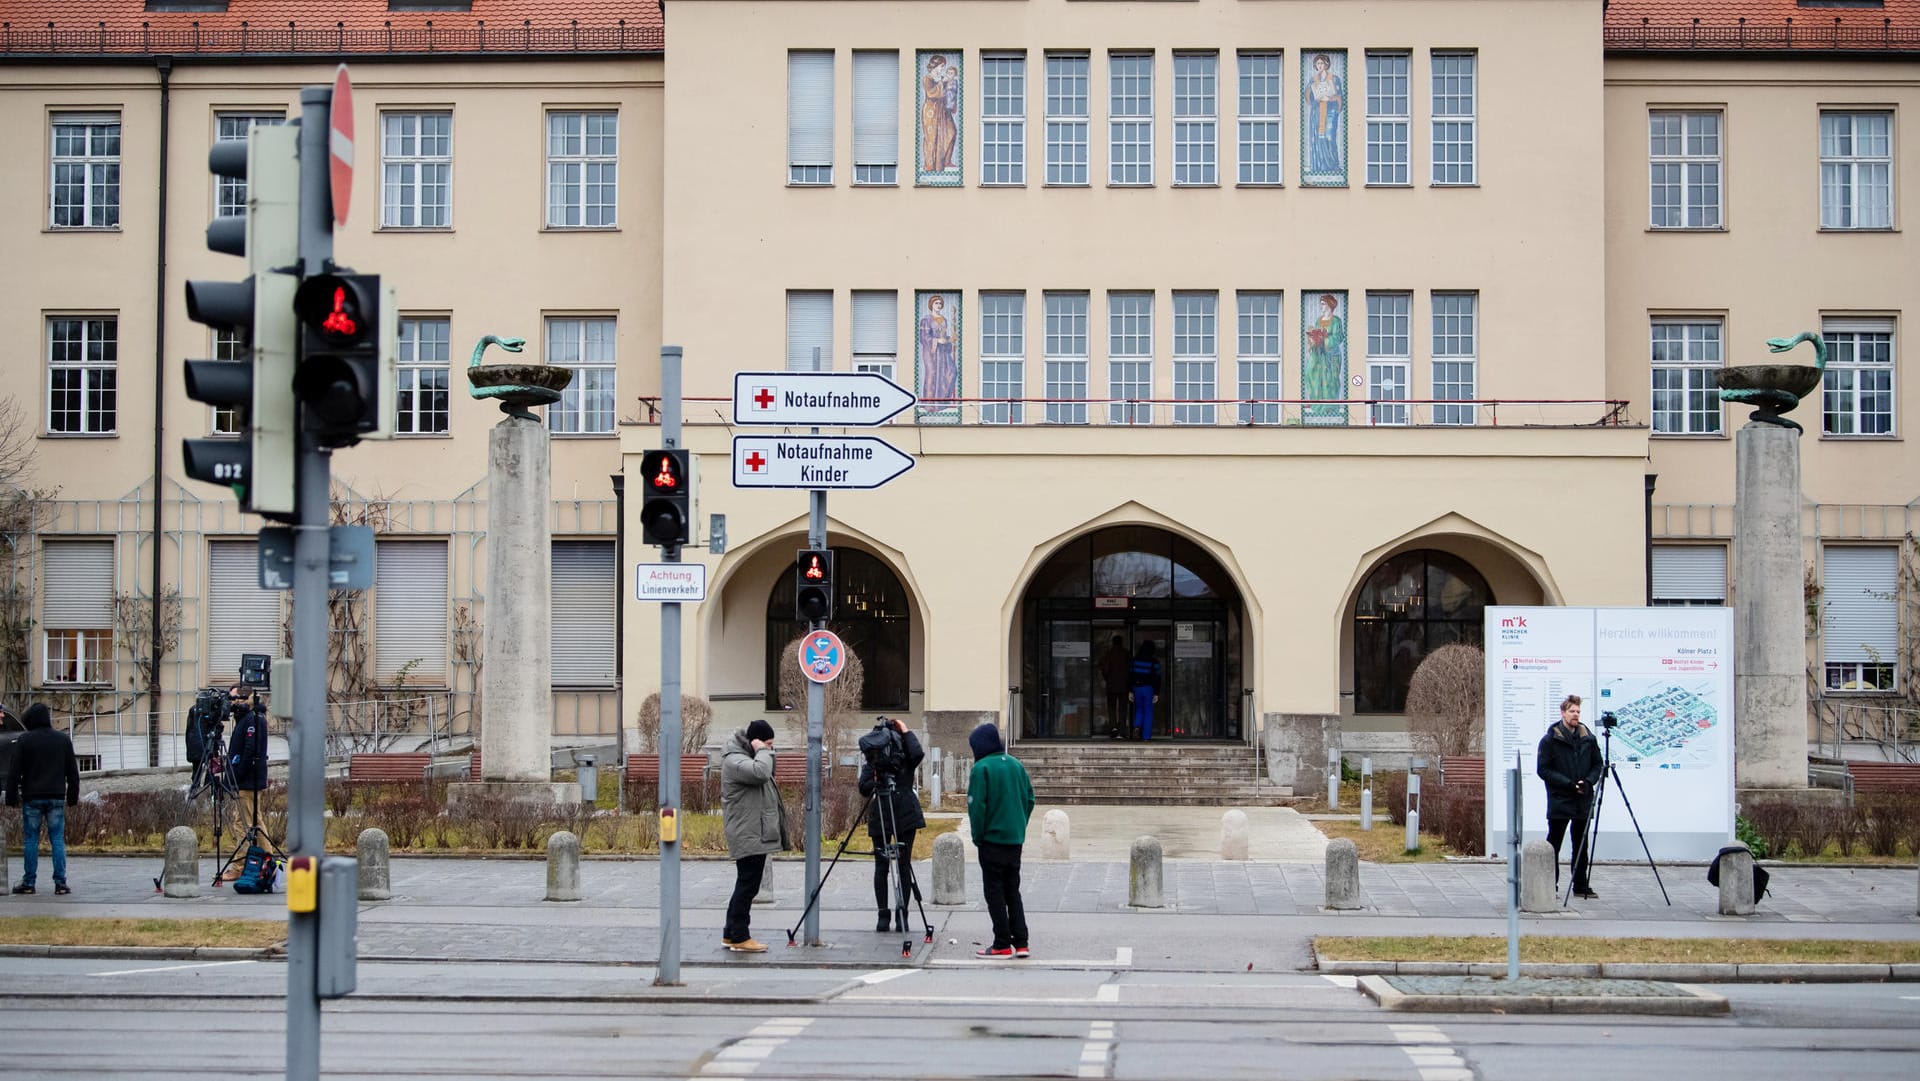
(1569, 761)
(1144, 679)
(903, 815)
(43, 781)
(999, 802)
(1115, 667)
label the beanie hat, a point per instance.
(760, 730)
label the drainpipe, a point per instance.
(1651, 478)
(620, 637)
(165, 66)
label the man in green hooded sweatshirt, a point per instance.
(999, 802)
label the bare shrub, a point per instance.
(1447, 701)
(696, 715)
(1774, 821)
(843, 695)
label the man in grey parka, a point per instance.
(750, 808)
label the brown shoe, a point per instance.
(745, 945)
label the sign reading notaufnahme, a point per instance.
(670, 581)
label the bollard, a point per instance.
(1916, 896)
(1413, 811)
(1343, 875)
(180, 875)
(1736, 881)
(949, 870)
(1537, 893)
(1233, 835)
(1144, 880)
(6, 875)
(588, 775)
(765, 896)
(563, 867)
(1333, 778)
(1366, 793)
(376, 866)
(1056, 836)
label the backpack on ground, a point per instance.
(1760, 875)
(257, 872)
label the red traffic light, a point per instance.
(338, 309)
(813, 571)
(665, 475)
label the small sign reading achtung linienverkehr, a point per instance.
(670, 581)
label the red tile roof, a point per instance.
(1776, 25)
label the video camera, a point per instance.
(1608, 720)
(885, 751)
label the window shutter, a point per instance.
(876, 323)
(410, 611)
(76, 585)
(1860, 587)
(584, 585)
(809, 326)
(876, 108)
(809, 108)
(241, 617)
(1689, 573)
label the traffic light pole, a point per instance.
(669, 746)
(816, 714)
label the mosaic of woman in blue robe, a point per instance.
(1328, 93)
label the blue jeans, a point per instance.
(1143, 712)
(54, 813)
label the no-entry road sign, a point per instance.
(825, 399)
(815, 461)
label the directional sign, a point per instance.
(815, 461)
(826, 399)
(340, 145)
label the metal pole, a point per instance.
(669, 974)
(1513, 870)
(816, 716)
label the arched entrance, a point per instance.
(1412, 604)
(1137, 584)
(870, 613)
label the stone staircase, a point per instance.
(1159, 772)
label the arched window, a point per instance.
(870, 614)
(1411, 605)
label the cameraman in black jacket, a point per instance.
(247, 751)
(895, 756)
(1569, 761)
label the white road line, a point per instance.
(171, 968)
(750, 1052)
(1348, 982)
(1107, 992)
(1096, 1051)
(1123, 956)
(1431, 1053)
(886, 974)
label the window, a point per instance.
(583, 170)
(1066, 359)
(1130, 119)
(1456, 337)
(86, 171)
(809, 331)
(410, 612)
(1692, 575)
(76, 610)
(241, 617)
(1003, 120)
(1003, 357)
(876, 117)
(1260, 118)
(82, 361)
(810, 117)
(416, 152)
(421, 385)
(1130, 358)
(876, 333)
(1389, 118)
(585, 584)
(1687, 358)
(1453, 118)
(1196, 109)
(1684, 169)
(586, 346)
(1196, 353)
(230, 192)
(1857, 394)
(1067, 107)
(1860, 622)
(1411, 605)
(1856, 170)
(870, 615)
(228, 345)
(1259, 358)
(1389, 355)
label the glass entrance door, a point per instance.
(1067, 709)
(1194, 674)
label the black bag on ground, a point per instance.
(257, 872)
(1760, 875)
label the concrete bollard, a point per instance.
(376, 866)
(1916, 896)
(6, 874)
(180, 875)
(1233, 835)
(563, 867)
(1056, 836)
(1343, 875)
(949, 870)
(1145, 882)
(1537, 892)
(765, 896)
(1736, 882)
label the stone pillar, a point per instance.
(1343, 875)
(1233, 835)
(1736, 881)
(1056, 836)
(1145, 881)
(1296, 748)
(1536, 877)
(180, 874)
(949, 870)
(376, 866)
(1769, 610)
(563, 867)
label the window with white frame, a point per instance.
(1856, 394)
(1689, 575)
(86, 171)
(1259, 151)
(230, 192)
(76, 611)
(1067, 112)
(1860, 617)
(1683, 155)
(809, 330)
(1196, 118)
(810, 117)
(1687, 358)
(583, 170)
(1130, 119)
(1389, 118)
(1454, 117)
(1856, 170)
(1130, 358)
(1258, 357)
(1389, 355)
(1003, 118)
(876, 117)
(1456, 344)
(416, 170)
(83, 357)
(1003, 357)
(410, 612)
(1196, 356)
(585, 344)
(1066, 360)
(876, 333)
(425, 361)
(228, 345)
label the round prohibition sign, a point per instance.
(822, 656)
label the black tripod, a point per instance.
(890, 847)
(250, 837)
(1607, 724)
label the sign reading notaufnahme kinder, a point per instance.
(670, 582)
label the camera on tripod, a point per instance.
(1608, 720)
(885, 751)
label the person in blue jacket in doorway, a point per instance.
(1145, 677)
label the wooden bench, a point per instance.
(646, 767)
(387, 767)
(473, 766)
(1876, 778)
(1463, 771)
(790, 768)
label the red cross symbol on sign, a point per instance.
(755, 462)
(763, 397)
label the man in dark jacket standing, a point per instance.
(43, 782)
(1569, 761)
(1115, 667)
(750, 812)
(902, 813)
(999, 802)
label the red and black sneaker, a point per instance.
(1021, 952)
(994, 951)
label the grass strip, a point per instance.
(1556, 949)
(1385, 842)
(62, 931)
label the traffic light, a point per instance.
(345, 382)
(813, 585)
(259, 467)
(666, 502)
